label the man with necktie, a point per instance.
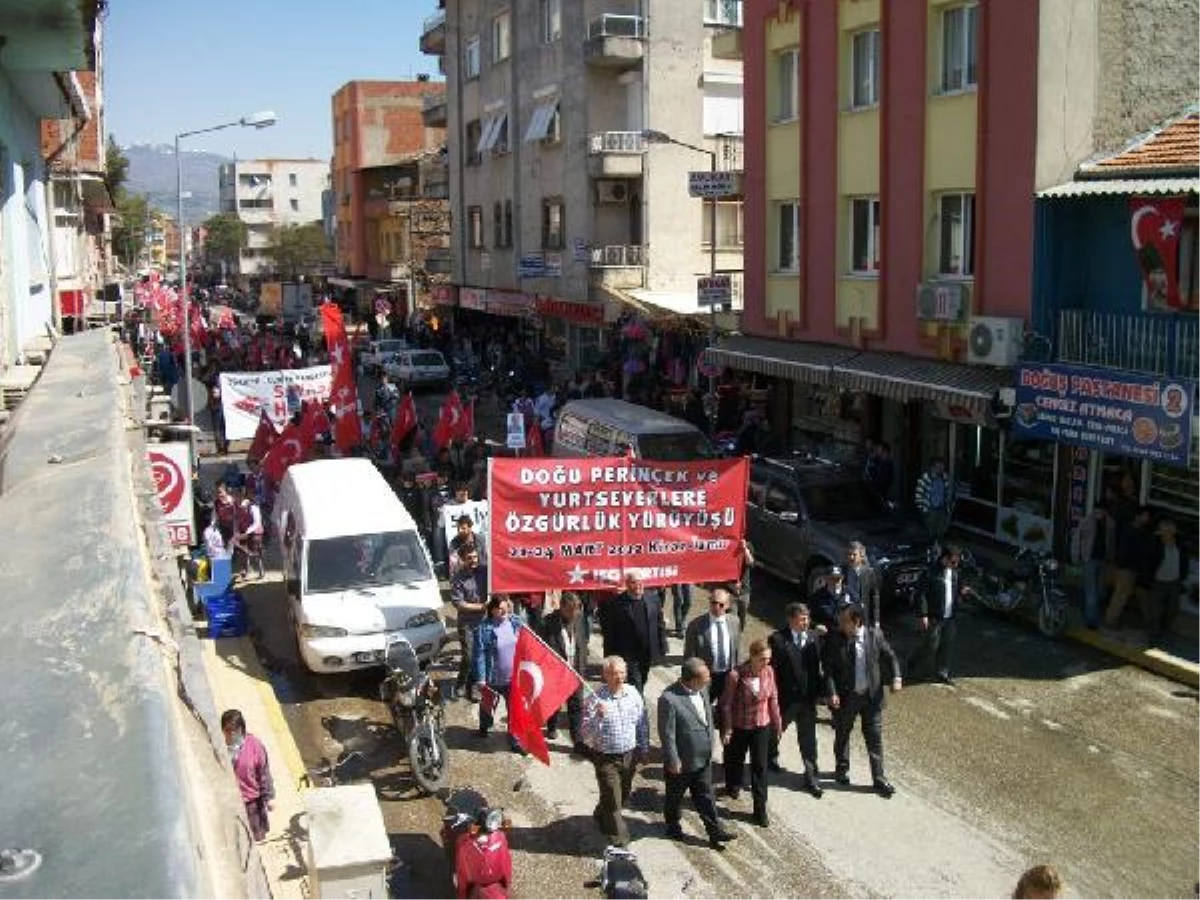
(715, 638)
(862, 582)
(937, 609)
(796, 658)
(634, 629)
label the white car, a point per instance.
(415, 368)
(380, 353)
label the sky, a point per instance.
(180, 65)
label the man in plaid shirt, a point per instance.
(617, 731)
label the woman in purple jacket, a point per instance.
(252, 769)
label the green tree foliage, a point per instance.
(297, 249)
(225, 238)
(116, 168)
(129, 231)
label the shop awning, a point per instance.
(349, 283)
(1093, 187)
(796, 360)
(901, 377)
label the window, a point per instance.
(781, 499)
(864, 69)
(292, 182)
(255, 203)
(497, 224)
(508, 237)
(551, 20)
(956, 215)
(729, 223)
(788, 233)
(495, 136)
(959, 50)
(475, 226)
(787, 86)
(541, 122)
(474, 135)
(471, 58)
(552, 224)
(864, 235)
(723, 12)
(501, 37)
(295, 204)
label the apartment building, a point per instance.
(891, 236)
(575, 125)
(268, 194)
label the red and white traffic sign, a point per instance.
(171, 466)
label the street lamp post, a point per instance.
(661, 137)
(255, 120)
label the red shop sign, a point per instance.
(582, 524)
(570, 311)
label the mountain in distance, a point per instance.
(152, 172)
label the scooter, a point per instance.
(415, 704)
(1032, 579)
(476, 845)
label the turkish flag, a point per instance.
(1155, 225)
(451, 422)
(541, 684)
(468, 427)
(533, 439)
(265, 437)
(314, 422)
(288, 450)
(343, 393)
(406, 420)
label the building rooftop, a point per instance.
(1170, 148)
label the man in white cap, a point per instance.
(827, 601)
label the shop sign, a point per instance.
(171, 466)
(713, 290)
(570, 311)
(532, 265)
(583, 524)
(1126, 413)
(443, 294)
(509, 303)
(580, 248)
(553, 265)
(959, 412)
(712, 184)
(472, 298)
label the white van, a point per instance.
(355, 568)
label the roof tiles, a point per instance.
(1174, 147)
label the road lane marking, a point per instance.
(988, 707)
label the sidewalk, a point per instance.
(239, 682)
(1178, 661)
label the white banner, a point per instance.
(171, 467)
(243, 394)
(479, 512)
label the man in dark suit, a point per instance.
(857, 659)
(862, 582)
(634, 629)
(563, 631)
(715, 638)
(796, 658)
(685, 730)
(937, 609)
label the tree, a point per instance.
(225, 237)
(116, 168)
(298, 249)
(129, 232)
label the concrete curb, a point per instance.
(1152, 660)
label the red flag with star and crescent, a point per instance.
(452, 421)
(406, 420)
(265, 437)
(1155, 226)
(541, 683)
(287, 450)
(343, 391)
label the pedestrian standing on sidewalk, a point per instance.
(1162, 599)
(750, 721)
(934, 499)
(685, 730)
(1097, 549)
(1136, 546)
(253, 771)
(617, 732)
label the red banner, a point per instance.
(581, 524)
(1155, 224)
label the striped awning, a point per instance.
(903, 378)
(1093, 187)
(795, 360)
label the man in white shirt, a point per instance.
(715, 638)
(937, 609)
(796, 658)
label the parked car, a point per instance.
(802, 512)
(419, 368)
(380, 353)
(604, 426)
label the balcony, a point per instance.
(1157, 344)
(433, 110)
(433, 34)
(727, 44)
(618, 265)
(615, 41)
(615, 154)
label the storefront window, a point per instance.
(1027, 494)
(1174, 491)
(977, 474)
(828, 423)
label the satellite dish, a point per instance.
(199, 397)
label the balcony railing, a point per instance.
(433, 22)
(614, 25)
(616, 142)
(1159, 344)
(617, 256)
(723, 12)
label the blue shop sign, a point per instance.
(1126, 413)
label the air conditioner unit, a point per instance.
(995, 341)
(608, 191)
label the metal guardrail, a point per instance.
(1161, 344)
(616, 142)
(617, 256)
(615, 25)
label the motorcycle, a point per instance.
(417, 708)
(1032, 579)
(476, 845)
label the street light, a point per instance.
(651, 136)
(263, 119)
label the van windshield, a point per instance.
(366, 560)
(682, 447)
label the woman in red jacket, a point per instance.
(252, 769)
(749, 716)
